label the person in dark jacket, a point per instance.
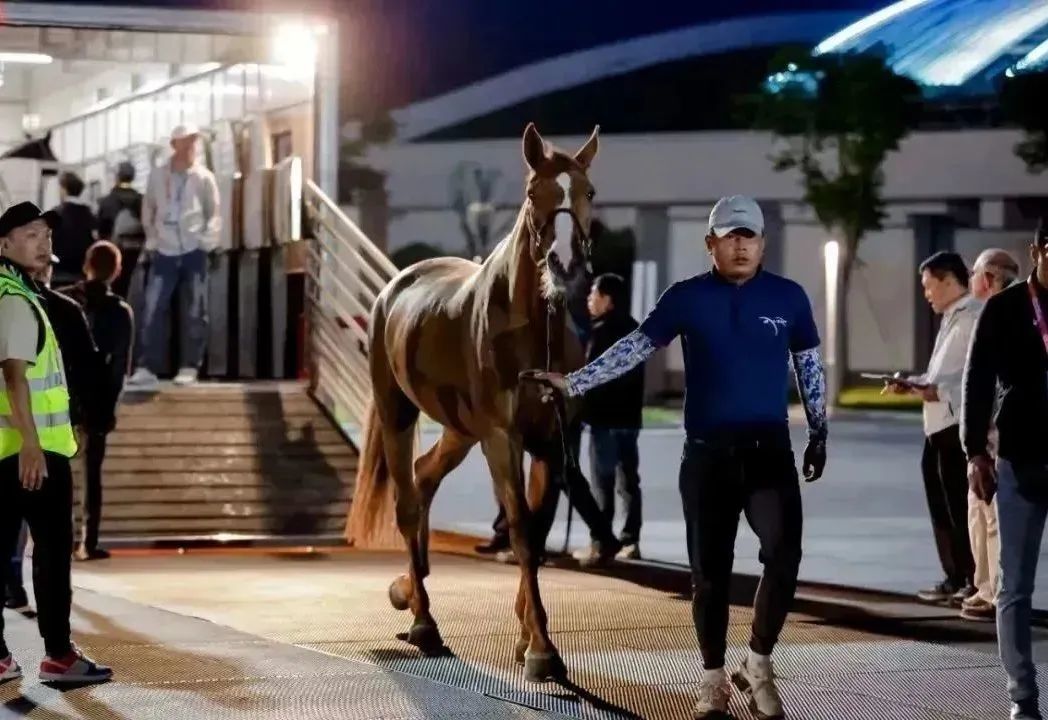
(112, 327)
(613, 412)
(75, 231)
(1008, 363)
(120, 221)
(80, 358)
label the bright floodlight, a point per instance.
(25, 58)
(835, 41)
(295, 47)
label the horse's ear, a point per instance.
(587, 152)
(534, 147)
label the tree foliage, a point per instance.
(1023, 102)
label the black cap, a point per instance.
(24, 213)
(1040, 235)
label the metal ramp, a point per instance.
(225, 462)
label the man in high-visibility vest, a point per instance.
(36, 442)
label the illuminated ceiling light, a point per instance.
(1034, 57)
(835, 41)
(295, 47)
(26, 58)
(979, 49)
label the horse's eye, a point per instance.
(591, 194)
(531, 194)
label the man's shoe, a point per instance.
(496, 544)
(714, 695)
(938, 593)
(17, 599)
(9, 669)
(600, 554)
(143, 379)
(186, 376)
(755, 678)
(962, 594)
(630, 551)
(979, 611)
(1025, 710)
(74, 667)
(82, 554)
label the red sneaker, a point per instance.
(74, 667)
(9, 669)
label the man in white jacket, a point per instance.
(181, 218)
(944, 277)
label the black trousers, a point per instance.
(615, 463)
(717, 483)
(49, 512)
(945, 471)
(94, 456)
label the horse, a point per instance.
(451, 337)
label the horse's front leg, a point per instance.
(542, 503)
(505, 456)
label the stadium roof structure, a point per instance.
(952, 47)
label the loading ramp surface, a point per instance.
(312, 635)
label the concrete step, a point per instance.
(153, 528)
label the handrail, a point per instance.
(345, 274)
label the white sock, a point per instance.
(758, 659)
(715, 675)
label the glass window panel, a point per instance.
(75, 142)
(142, 120)
(252, 90)
(232, 93)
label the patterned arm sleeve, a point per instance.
(619, 359)
(811, 381)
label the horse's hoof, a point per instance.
(427, 639)
(400, 593)
(544, 667)
(520, 651)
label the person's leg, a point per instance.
(193, 272)
(603, 459)
(92, 507)
(993, 547)
(49, 511)
(773, 510)
(953, 465)
(939, 514)
(10, 525)
(1021, 527)
(629, 487)
(163, 278)
(709, 494)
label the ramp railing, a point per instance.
(345, 274)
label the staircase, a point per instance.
(227, 462)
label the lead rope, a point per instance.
(570, 462)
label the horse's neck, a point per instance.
(512, 283)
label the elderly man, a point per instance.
(994, 270)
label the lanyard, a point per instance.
(1038, 313)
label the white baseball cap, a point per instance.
(732, 213)
(184, 131)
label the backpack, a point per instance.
(127, 227)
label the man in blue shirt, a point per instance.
(740, 326)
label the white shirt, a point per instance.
(946, 366)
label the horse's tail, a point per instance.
(372, 516)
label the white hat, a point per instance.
(184, 131)
(737, 211)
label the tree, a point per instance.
(836, 118)
(1022, 102)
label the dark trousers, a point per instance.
(14, 577)
(95, 455)
(574, 485)
(49, 512)
(717, 483)
(614, 454)
(945, 471)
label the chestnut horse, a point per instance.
(449, 338)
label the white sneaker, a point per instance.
(629, 552)
(9, 669)
(714, 694)
(186, 376)
(143, 379)
(755, 678)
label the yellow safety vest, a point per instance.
(48, 393)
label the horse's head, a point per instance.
(559, 209)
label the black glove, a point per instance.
(814, 459)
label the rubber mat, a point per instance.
(631, 651)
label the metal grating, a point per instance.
(630, 651)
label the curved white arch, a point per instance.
(576, 68)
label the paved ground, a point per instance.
(866, 522)
(297, 636)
